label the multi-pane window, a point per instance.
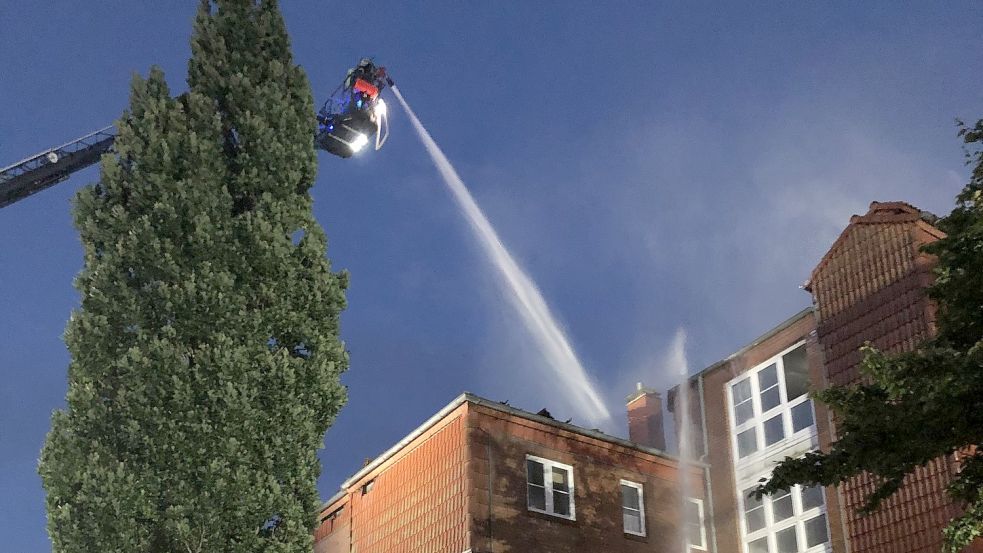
(743, 404)
(786, 522)
(816, 531)
(632, 508)
(754, 512)
(770, 403)
(549, 487)
(696, 534)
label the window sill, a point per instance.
(551, 517)
(810, 434)
(642, 538)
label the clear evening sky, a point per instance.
(652, 166)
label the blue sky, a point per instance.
(652, 166)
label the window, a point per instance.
(743, 408)
(781, 506)
(754, 512)
(774, 430)
(812, 497)
(817, 531)
(768, 384)
(696, 534)
(796, 373)
(787, 541)
(759, 545)
(802, 416)
(770, 403)
(786, 522)
(549, 487)
(632, 508)
(747, 442)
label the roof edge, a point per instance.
(386, 455)
(768, 334)
(640, 392)
(468, 397)
(596, 434)
(877, 214)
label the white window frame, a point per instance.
(641, 506)
(758, 419)
(702, 546)
(771, 528)
(548, 466)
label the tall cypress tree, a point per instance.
(205, 357)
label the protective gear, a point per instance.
(351, 116)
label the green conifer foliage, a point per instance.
(205, 357)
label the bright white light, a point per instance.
(52, 157)
(360, 141)
(381, 108)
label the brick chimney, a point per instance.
(645, 418)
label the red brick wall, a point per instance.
(333, 533)
(433, 495)
(824, 428)
(501, 521)
(870, 287)
(645, 424)
(417, 503)
(719, 456)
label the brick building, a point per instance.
(752, 410)
(484, 477)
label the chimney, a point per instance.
(645, 418)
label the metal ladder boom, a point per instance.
(40, 171)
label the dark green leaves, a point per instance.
(920, 405)
(205, 354)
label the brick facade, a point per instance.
(713, 406)
(870, 286)
(645, 422)
(460, 484)
(410, 503)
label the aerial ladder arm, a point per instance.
(40, 171)
(353, 114)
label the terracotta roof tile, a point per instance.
(870, 286)
(879, 213)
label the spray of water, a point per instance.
(524, 294)
(679, 365)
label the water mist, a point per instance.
(680, 368)
(522, 291)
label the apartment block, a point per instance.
(748, 412)
(752, 409)
(870, 287)
(484, 477)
